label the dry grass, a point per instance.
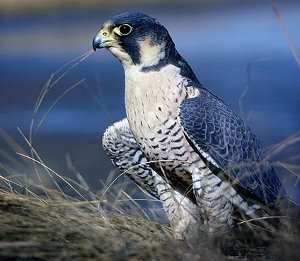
(47, 216)
(62, 229)
(41, 222)
(55, 217)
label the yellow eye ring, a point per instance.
(125, 29)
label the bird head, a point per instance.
(135, 39)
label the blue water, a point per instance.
(231, 48)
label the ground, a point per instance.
(37, 229)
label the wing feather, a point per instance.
(223, 138)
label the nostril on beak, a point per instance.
(95, 44)
(98, 42)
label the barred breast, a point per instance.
(152, 102)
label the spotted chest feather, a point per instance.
(152, 99)
(152, 105)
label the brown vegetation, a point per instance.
(62, 230)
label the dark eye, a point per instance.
(125, 29)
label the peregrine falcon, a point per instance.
(180, 142)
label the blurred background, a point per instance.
(237, 49)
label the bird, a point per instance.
(180, 142)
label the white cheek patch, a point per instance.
(124, 57)
(151, 54)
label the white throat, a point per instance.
(150, 97)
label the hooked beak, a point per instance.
(98, 42)
(104, 38)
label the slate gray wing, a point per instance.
(221, 136)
